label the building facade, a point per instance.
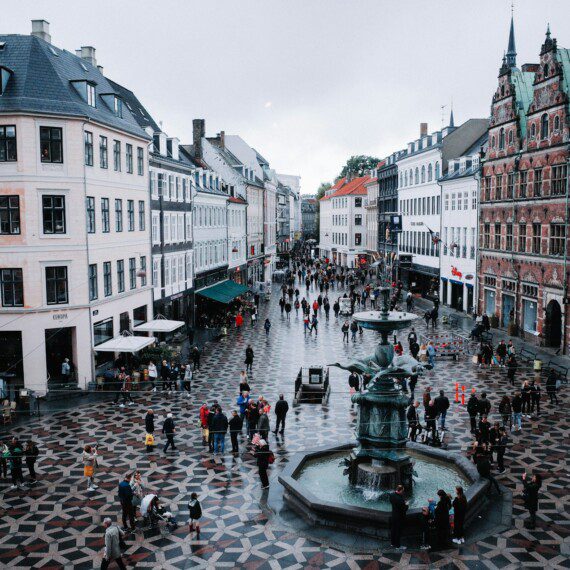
(74, 210)
(371, 209)
(523, 278)
(309, 217)
(283, 216)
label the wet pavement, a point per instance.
(57, 523)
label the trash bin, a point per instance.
(537, 365)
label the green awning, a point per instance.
(223, 292)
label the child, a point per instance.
(195, 514)
(149, 442)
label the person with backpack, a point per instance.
(195, 511)
(31, 452)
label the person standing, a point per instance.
(511, 368)
(267, 326)
(195, 511)
(168, 429)
(398, 518)
(413, 420)
(552, 388)
(281, 409)
(484, 405)
(249, 359)
(152, 375)
(16, 454)
(126, 498)
(187, 379)
(288, 310)
(431, 353)
(353, 330)
(314, 325)
(204, 424)
(501, 445)
(412, 337)
(4, 458)
(263, 424)
(196, 358)
(235, 425)
(530, 494)
(65, 371)
(165, 376)
(502, 353)
(505, 410)
(345, 328)
(263, 455)
(473, 410)
(484, 469)
(31, 452)
(525, 394)
(535, 393)
(441, 517)
(89, 464)
(516, 406)
(220, 428)
(442, 405)
(113, 535)
(252, 415)
(459, 511)
(149, 421)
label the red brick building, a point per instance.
(523, 267)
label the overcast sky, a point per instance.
(306, 82)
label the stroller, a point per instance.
(154, 514)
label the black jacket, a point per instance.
(168, 426)
(249, 355)
(459, 508)
(262, 456)
(484, 466)
(399, 507)
(281, 408)
(530, 495)
(484, 406)
(442, 404)
(220, 423)
(236, 424)
(412, 415)
(149, 423)
(516, 405)
(473, 406)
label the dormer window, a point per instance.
(91, 95)
(5, 74)
(86, 90)
(114, 102)
(118, 107)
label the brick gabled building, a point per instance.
(522, 273)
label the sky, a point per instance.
(307, 83)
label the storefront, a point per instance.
(530, 315)
(420, 279)
(489, 299)
(238, 274)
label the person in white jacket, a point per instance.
(152, 374)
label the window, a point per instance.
(558, 182)
(107, 280)
(155, 228)
(453, 201)
(88, 148)
(129, 157)
(423, 173)
(510, 185)
(155, 272)
(53, 211)
(459, 196)
(511, 137)
(117, 106)
(532, 131)
(131, 214)
(105, 215)
(472, 251)
(446, 201)
(497, 236)
(142, 223)
(102, 331)
(117, 156)
(522, 237)
(143, 270)
(358, 220)
(140, 161)
(51, 144)
(556, 123)
(56, 285)
(91, 101)
(487, 236)
(357, 239)
(103, 154)
(8, 143)
(557, 239)
(487, 188)
(9, 215)
(523, 183)
(118, 215)
(417, 176)
(358, 202)
(509, 237)
(502, 139)
(536, 235)
(538, 181)
(121, 275)
(544, 126)
(93, 286)
(90, 214)
(498, 187)
(430, 172)
(474, 200)
(132, 273)
(12, 287)
(437, 170)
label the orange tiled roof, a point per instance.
(356, 187)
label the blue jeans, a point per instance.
(431, 360)
(442, 418)
(517, 419)
(219, 442)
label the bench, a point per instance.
(560, 371)
(528, 354)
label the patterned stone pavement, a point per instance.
(57, 523)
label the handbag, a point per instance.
(474, 359)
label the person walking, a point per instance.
(516, 406)
(441, 519)
(126, 498)
(281, 409)
(336, 308)
(353, 330)
(31, 452)
(168, 429)
(398, 517)
(552, 387)
(288, 310)
(196, 355)
(314, 325)
(442, 405)
(267, 326)
(195, 512)
(220, 428)
(501, 447)
(530, 494)
(431, 354)
(263, 456)
(112, 552)
(473, 410)
(249, 359)
(235, 425)
(345, 328)
(89, 463)
(459, 511)
(412, 337)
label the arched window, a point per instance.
(417, 177)
(511, 136)
(411, 177)
(423, 173)
(430, 172)
(533, 130)
(502, 139)
(502, 90)
(556, 123)
(545, 70)
(406, 178)
(544, 126)
(437, 170)
(492, 142)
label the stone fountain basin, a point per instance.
(377, 321)
(369, 520)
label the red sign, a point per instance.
(456, 272)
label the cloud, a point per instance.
(268, 104)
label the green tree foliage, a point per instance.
(359, 164)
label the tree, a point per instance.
(359, 165)
(320, 193)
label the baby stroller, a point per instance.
(154, 514)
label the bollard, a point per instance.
(457, 392)
(462, 395)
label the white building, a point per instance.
(372, 216)
(269, 216)
(459, 187)
(342, 226)
(74, 214)
(293, 182)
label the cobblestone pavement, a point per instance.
(57, 523)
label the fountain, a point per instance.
(316, 483)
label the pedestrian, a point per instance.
(252, 416)
(552, 387)
(267, 326)
(89, 463)
(473, 410)
(165, 376)
(297, 305)
(220, 427)
(138, 490)
(525, 395)
(4, 458)
(413, 420)
(211, 414)
(281, 409)
(459, 511)
(484, 430)
(427, 318)
(426, 398)
(314, 325)
(353, 330)
(113, 536)
(441, 518)
(249, 359)
(345, 328)
(398, 517)
(31, 452)
(195, 512)
(412, 337)
(187, 379)
(239, 321)
(431, 353)
(263, 423)
(501, 449)
(243, 384)
(502, 353)
(152, 375)
(530, 495)
(282, 304)
(484, 470)
(253, 317)
(235, 425)
(353, 382)
(288, 310)
(516, 406)
(535, 392)
(414, 349)
(196, 358)
(484, 405)
(169, 429)
(65, 371)
(442, 405)
(16, 454)
(264, 457)
(511, 368)
(126, 498)
(336, 308)
(412, 386)
(505, 410)
(431, 415)
(204, 424)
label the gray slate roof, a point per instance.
(41, 83)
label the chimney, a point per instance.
(530, 67)
(198, 133)
(88, 54)
(223, 139)
(100, 68)
(423, 129)
(40, 29)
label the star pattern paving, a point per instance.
(58, 524)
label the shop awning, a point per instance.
(223, 292)
(125, 343)
(160, 325)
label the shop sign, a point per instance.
(59, 317)
(456, 273)
(469, 277)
